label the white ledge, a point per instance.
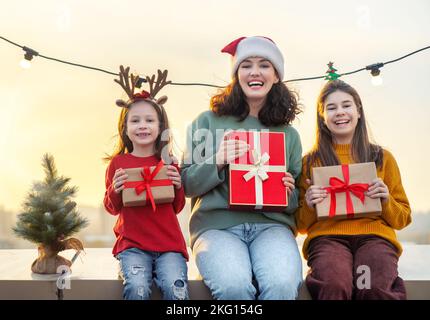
(95, 275)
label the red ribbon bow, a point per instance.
(142, 95)
(148, 182)
(337, 186)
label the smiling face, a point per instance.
(256, 78)
(341, 116)
(143, 125)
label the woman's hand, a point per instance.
(118, 180)
(314, 194)
(173, 175)
(229, 150)
(378, 189)
(289, 182)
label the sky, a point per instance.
(70, 112)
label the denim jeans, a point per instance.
(168, 269)
(229, 259)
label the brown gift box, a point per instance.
(161, 193)
(359, 173)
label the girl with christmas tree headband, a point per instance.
(149, 241)
(233, 248)
(338, 250)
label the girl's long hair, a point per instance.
(281, 106)
(362, 150)
(163, 145)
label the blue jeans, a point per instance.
(139, 268)
(229, 259)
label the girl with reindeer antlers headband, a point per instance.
(149, 239)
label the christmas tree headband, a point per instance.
(128, 83)
(331, 72)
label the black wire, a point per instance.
(63, 61)
(303, 79)
(78, 65)
(409, 54)
(196, 84)
(351, 72)
(206, 84)
(15, 44)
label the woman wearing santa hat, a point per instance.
(235, 250)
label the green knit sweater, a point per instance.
(208, 187)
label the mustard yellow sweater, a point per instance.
(396, 213)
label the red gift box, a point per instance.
(256, 177)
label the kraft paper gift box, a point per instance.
(346, 185)
(255, 179)
(147, 186)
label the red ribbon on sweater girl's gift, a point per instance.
(337, 186)
(148, 182)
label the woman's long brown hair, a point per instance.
(281, 106)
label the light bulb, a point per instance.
(377, 80)
(24, 63)
(376, 73)
(28, 56)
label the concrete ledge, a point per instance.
(95, 276)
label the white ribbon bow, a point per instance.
(259, 169)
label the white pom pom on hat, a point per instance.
(256, 46)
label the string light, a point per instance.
(374, 68)
(28, 56)
(140, 81)
(376, 73)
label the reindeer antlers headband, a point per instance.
(128, 83)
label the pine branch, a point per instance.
(49, 166)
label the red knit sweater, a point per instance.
(141, 227)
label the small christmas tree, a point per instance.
(49, 217)
(331, 72)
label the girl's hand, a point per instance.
(378, 189)
(289, 181)
(314, 194)
(230, 150)
(118, 180)
(174, 176)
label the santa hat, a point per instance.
(245, 47)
